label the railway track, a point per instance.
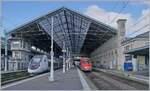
(8, 78)
(104, 81)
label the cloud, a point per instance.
(110, 18)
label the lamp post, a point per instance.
(64, 63)
(51, 78)
(5, 50)
(67, 59)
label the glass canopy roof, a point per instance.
(68, 28)
(80, 33)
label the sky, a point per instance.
(16, 13)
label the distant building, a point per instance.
(137, 50)
(20, 54)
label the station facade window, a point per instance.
(147, 61)
(16, 44)
(128, 58)
(16, 54)
(19, 66)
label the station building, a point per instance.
(117, 50)
(21, 54)
(81, 34)
(113, 56)
(110, 54)
(137, 50)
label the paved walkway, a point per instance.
(68, 81)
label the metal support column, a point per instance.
(58, 64)
(69, 64)
(51, 78)
(67, 61)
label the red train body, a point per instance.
(85, 64)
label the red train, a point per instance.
(85, 64)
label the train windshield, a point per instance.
(87, 62)
(35, 60)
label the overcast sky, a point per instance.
(16, 13)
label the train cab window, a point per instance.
(86, 62)
(35, 60)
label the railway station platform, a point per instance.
(127, 75)
(71, 80)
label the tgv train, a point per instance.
(38, 64)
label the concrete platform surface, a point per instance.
(127, 75)
(68, 81)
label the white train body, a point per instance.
(38, 64)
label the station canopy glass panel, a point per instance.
(78, 32)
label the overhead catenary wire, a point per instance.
(140, 29)
(113, 8)
(121, 10)
(9, 21)
(2, 23)
(139, 21)
(143, 18)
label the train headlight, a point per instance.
(85, 67)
